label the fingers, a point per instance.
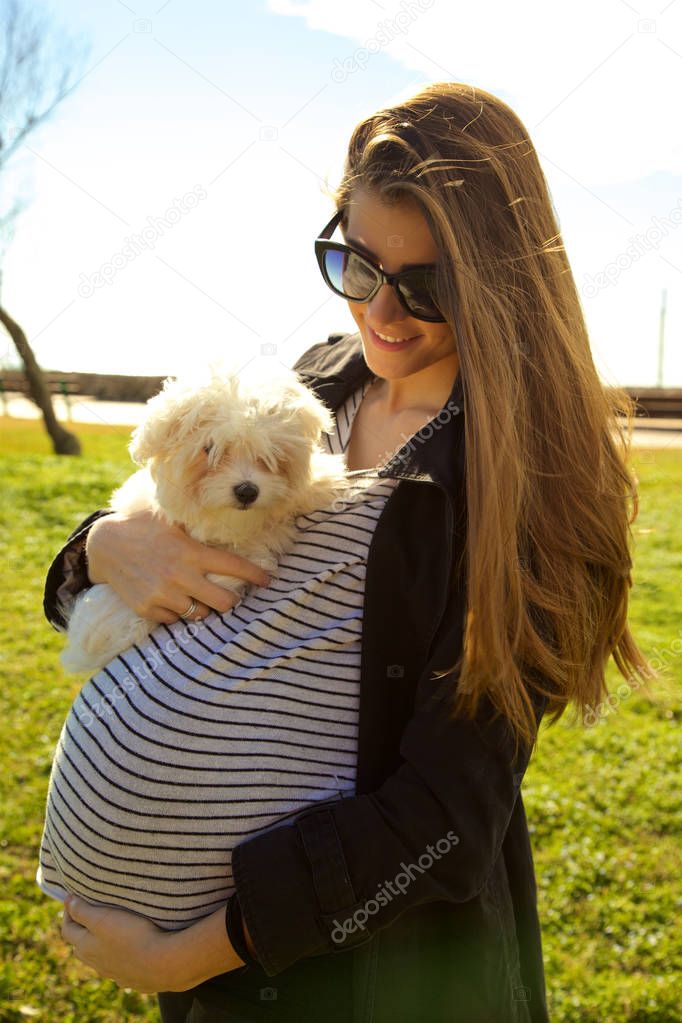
(159, 614)
(200, 611)
(222, 601)
(212, 559)
(193, 610)
(71, 931)
(214, 597)
(167, 615)
(158, 570)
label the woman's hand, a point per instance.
(157, 569)
(135, 953)
(120, 946)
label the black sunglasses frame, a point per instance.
(323, 245)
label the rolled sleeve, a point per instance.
(68, 574)
(329, 878)
(292, 917)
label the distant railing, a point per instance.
(102, 386)
(57, 383)
(653, 402)
(657, 402)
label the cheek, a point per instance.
(177, 481)
(439, 338)
(195, 472)
(287, 473)
(357, 312)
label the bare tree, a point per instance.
(39, 67)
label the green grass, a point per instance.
(603, 803)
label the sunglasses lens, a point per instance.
(353, 277)
(349, 274)
(417, 290)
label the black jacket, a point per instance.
(415, 899)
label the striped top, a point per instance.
(209, 732)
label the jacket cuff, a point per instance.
(68, 574)
(298, 919)
(234, 925)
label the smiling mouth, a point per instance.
(387, 341)
(392, 337)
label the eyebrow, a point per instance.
(368, 252)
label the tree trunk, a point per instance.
(63, 442)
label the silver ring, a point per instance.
(190, 610)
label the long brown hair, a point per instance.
(548, 486)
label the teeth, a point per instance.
(392, 339)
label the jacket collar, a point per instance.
(434, 454)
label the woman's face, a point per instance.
(394, 237)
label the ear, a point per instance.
(293, 400)
(169, 416)
(319, 418)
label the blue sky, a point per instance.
(188, 168)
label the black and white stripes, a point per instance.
(181, 748)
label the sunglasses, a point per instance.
(352, 275)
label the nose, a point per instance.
(385, 307)
(246, 492)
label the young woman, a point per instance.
(491, 567)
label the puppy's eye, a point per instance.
(208, 447)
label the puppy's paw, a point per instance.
(76, 660)
(229, 582)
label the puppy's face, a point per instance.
(226, 450)
(220, 469)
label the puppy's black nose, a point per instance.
(246, 492)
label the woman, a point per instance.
(496, 589)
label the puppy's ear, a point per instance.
(317, 417)
(169, 416)
(293, 400)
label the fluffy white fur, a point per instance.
(197, 443)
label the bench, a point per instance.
(15, 382)
(657, 402)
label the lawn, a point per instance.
(603, 803)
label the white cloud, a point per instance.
(238, 270)
(593, 83)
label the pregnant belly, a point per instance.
(156, 780)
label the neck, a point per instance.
(425, 391)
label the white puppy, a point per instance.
(233, 463)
